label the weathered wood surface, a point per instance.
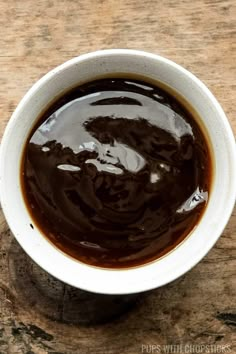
(39, 314)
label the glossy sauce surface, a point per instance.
(116, 173)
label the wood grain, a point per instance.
(40, 315)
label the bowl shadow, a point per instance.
(39, 291)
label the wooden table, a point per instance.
(39, 314)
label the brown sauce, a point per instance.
(116, 173)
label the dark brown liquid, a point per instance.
(116, 173)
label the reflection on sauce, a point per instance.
(116, 173)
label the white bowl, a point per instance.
(207, 231)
